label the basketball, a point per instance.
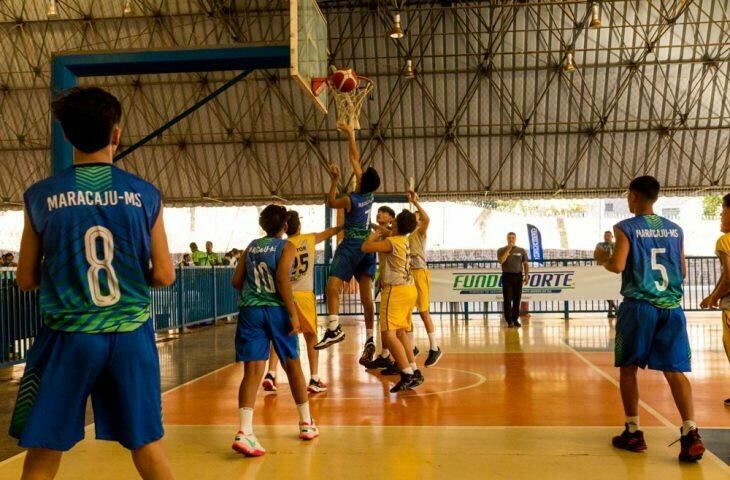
(345, 80)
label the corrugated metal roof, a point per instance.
(490, 111)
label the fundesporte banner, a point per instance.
(545, 283)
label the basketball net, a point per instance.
(349, 104)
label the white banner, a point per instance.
(546, 283)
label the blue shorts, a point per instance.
(121, 372)
(653, 336)
(351, 261)
(258, 327)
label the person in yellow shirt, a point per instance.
(398, 297)
(720, 296)
(422, 279)
(303, 288)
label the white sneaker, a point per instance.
(308, 431)
(247, 445)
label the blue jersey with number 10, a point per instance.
(94, 222)
(259, 286)
(654, 266)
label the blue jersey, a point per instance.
(357, 220)
(94, 223)
(259, 286)
(654, 265)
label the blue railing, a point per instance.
(199, 295)
(204, 294)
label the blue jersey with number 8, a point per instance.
(94, 222)
(259, 286)
(654, 265)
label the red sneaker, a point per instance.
(633, 442)
(692, 447)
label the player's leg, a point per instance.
(634, 332)
(365, 282)
(726, 340)
(422, 278)
(152, 463)
(333, 333)
(269, 383)
(671, 353)
(252, 348)
(516, 299)
(287, 347)
(307, 307)
(507, 295)
(41, 464)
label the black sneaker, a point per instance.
(403, 384)
(633, 442)
(416, 379)
(692, 447)
(517, 324)
(391, 370)
(416, 351)
(366, 358)
(330, 338)
(433, 357)
(380, 363)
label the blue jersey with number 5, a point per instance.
(94, 223)
(259, 286)
(654, 265)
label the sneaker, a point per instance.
(633, 442)
(330, 338)
(517, 324)
(417, 379)
(403, 384)
(416, 351)
(380, 362)
(367, 353)
(692, 447)
(247, 445)
(308, 431)
(727, 402)
(391, 370)
(269, 383)
(316, 386)
(433, 357)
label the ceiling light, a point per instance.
(410, 72)
(595, 16)
(396, 31)
(52, 11)
(128, 7)
(569, 65)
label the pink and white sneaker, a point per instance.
(308, 431)
(269, 383)
(247, 445)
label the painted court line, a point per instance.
(643, 404)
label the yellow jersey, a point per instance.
(417, 242)
(395, 267)
(302, 275)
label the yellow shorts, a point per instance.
(422, 278)
(307, 308)
(396, 307)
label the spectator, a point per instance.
(187, 261)
(200, 259)
(514, 260)
(213, 258)
(228, 259)
(8, 260)
(601, 254)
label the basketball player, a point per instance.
(399, 297)
(422, 279)
(384, 219)
(720, 296)
(268, 315)
(651, 328)
(303, 287)
(91, 233)
(349, 259)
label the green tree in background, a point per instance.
(711, 205)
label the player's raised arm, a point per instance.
(617, 262)
(332, 200)
(28, 275)
(353, 152)
(162, 272)
(424, 219)
(327, 234)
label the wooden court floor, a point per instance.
(539, 402)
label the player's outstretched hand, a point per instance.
(412, 196)
(334, 171)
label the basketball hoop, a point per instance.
(347, 104)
